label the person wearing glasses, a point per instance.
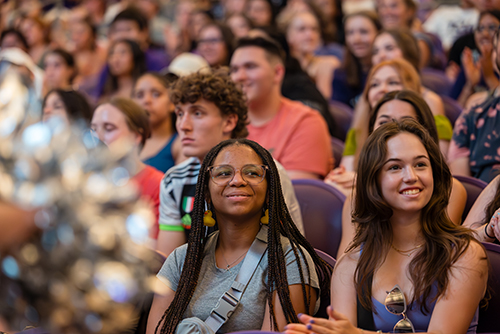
(409, 268)
(209, 108)
(476, 72)
(474, 146)
(239, 189)
(216, 44)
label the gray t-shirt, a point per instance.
(213, 282)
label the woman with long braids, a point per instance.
(240, 185)
(409, 268)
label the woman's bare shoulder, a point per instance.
(348, 261)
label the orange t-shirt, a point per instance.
(149, 180)
(297, 137)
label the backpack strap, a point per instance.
(231, 298)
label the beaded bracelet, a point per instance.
(486, 232)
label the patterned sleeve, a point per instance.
(460, 142)
(170, 219)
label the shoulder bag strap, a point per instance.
(231, 298)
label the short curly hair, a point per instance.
(217, 88)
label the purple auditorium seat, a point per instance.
(325, 302)
(321, 208)
(451, 109)
(342, 114)
(473, 187)
(252, 332)
(436, 80)
(488, 316)
(337, 150)
(328, 258)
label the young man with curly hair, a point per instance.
(209, 109)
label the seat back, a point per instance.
(488, 316)
(321, 208)
(252, 332)
(473, 187)
(436, 80)
(337, 150)
(325, 302)
(451, 109)
(342, 114)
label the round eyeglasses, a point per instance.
(223, 174)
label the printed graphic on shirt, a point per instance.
(188, 193)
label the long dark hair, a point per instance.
(68, 59)
(407, 43)
(227, 37)
(166, 81)
(444, 242)
(139, 66)
(76, 105)
(424, 113)
(280, 224)
(351, 64)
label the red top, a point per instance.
(297, 137)
(149, 180)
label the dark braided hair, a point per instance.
(280, 224)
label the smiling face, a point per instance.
(239, 25)
(394, 14)
(81, 35)
(110, 125)
(211, 46)
(259, 11)
(385, 80)
(303, 33)
(238, 199)
(394, 109)
(406, 180)
(385, 48)
(151, 95)
(251, 68)
(486, 28)
(359, 35)
(201, 126)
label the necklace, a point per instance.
(407, 252)
(228, 265)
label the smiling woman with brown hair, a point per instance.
(406, 252)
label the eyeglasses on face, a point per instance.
(395, 303)
(210, 41)
(491, 28)
(224, 174)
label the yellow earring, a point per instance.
(208, 219)
(265, 218)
